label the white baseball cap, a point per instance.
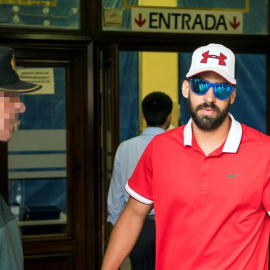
(216, 58)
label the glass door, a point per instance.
(37, 155)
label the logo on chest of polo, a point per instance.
(234, 175)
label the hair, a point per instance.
(156, 106)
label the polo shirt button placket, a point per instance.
(204, 176)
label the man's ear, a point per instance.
(233, 96)
(185, 88)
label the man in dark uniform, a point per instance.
(11, 254)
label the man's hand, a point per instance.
(125, 233)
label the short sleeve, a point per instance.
(139, 186)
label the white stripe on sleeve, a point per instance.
(136, 196)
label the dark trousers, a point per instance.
(142, 256)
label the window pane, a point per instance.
(45, 14)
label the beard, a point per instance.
(205, 122)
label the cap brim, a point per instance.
(20, 87)
(220, 72)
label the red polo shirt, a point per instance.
(211, 211)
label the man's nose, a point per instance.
(209, 96)
(20, 107)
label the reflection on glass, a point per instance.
(54, 14)
(37, 156)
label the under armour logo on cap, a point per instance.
(221, 58)
(214, 58)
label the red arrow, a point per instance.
(140, 22)
(234, 24)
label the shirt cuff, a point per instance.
(137, 196)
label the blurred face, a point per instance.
(207, 111)
(10, 107)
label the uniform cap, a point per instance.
(9, 78)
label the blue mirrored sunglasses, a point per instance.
(221, 90)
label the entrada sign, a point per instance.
(186, 21)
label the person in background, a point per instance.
(11, 254)
(208, 180)
(156, 108)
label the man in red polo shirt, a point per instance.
(209, 181)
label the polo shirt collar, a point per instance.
(232, 142)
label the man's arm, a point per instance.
(125, 233)
(116, 197)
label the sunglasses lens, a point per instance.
(223, 91)
(199, 87)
